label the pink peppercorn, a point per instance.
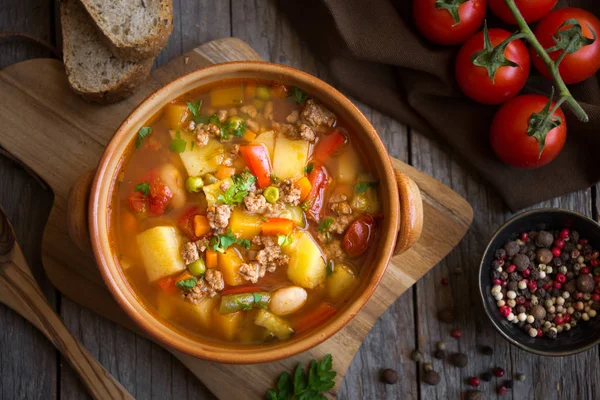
(474, 381)
(578, 295)
(584, 270)
(532, 285)
(595, 262)
(527, 304)
(556, 252)
(559, 243)
(540, 333)
(547, 286)
(560, 277)
(557, 285)
(566, 317)
(564, 234)
(583, 242)
(558, 320)
(597, 278)
(502, 390)
(511, 268)
(497, 282)
(445, 281)
(520, 300)
(456, 333)
(596, 297)
(505, 311)
(526, 273)
(499, 372)
(504, 283)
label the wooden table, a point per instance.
(31, 369)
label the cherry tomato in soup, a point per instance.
(579, 65)
(532, 10)
(509, 138)
(437, 23)
(474, 80)
(137, 202)
(151, 194)
(358, 235)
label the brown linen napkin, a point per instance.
(375, 54)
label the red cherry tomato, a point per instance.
(156, 200)
(437, 24)
(508, 133)
(532, 10)
(358, 236)
(474, 80)
(185, 222)
(577, 66)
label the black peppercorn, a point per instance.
(575, 236)
(487, 350)
(486, 376)
(504, 275)
(565, 254)
(555, 292)
(431, 377)
(389, 376)
(511, 248)
(552, 333)
(459, 360)
(541, 292)
(508, 384)
(527, 327)
(544, 239)
(512, 285)
(474, 395)
(557, 262)
(500, 254)
(440, 354)
(595, 306)
(495, 274)
(446, 315)
(521, 261)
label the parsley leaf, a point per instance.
(221, 242)
(309, 168)
(362, 187)
(192, 144)
(257, 297)
(142, 133)
(283, 240)
(303, 385)
(194, 107)
(178, 145)
(202, 119)
(187, 284)
(274, 178)
(143, 187)
(325, 225)
(298, 95)
(330, 268)
(243, 306)
(307, 204)
(239, 189)
(245, 243)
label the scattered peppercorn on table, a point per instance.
(383, 367)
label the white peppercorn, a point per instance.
(533, 332)
(511, 294)
(567, 326)
(498, 296)
(548, 270)
(511, 303)
(511, 317)
(592, 313)
(522, 316)
(542, 274)
(566, 295)
(522, 285)
(548, 303)
(500, 303)
(551, 310)
(560, 301)
(570, 310)
(530, 319)
(585, 316)
(580, 259)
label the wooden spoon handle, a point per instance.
(34, 307)
(411, 213)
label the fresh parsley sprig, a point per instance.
(142, 133)
(187, 284)
(362, 187)
(194, 107)
(143, 187)
(178, 145)
(239, 189)
(303, 385)
(298, 95)
(220, 243)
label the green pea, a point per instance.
(271, 194)
(236, 125)
(263, 92)
(197, 268)
(209, 179)
(194, 184)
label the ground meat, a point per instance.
(197, 293)
(222, 115)
(333, 250)
(306, 133)
(205, 132)
(271, 257)
(232, 111)
(317, 115)
(191, 126)
(252, 125)
(189, 253)
(340, 223)
(252, 272)
(289, 193)
(256, 203)
(249, 110)
(202, 138)
(225, 185)
(218, 217)
(201, 244)
(214, 279)
(339, 204)
(268, 111)
(293, 117)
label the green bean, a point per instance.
(244, 301)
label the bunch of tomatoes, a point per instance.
(492, 66)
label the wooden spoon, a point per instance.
(19, 291)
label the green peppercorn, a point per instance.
(263, 92)
(427, 367)
(271, 194)
(441, 345)
(194, 184)
(197, 268)
(521, 377)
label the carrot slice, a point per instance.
(278, 226)
(308, 321)
(305, 186)
(211, 258)
(224, 172)
(241, 289)
(201, 225)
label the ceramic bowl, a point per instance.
(586, 334)
(400, 227)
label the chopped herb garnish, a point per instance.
(325, 225)
(192, 144)
(234, 126)
(178, 145)
(309, 168)
(142, 133)
(307, 204)
(274, 178)
(309, 385)
(257, 297)
(362, 187)
(143, 187)
(298, 95)
(221, 242)
(239, 189)
(187, 284)
(243, 305)
(202, 119)
(284, 240)
(121, 255)
(245, 243)
(330, 267)
(194, 107)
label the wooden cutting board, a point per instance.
(58, 136)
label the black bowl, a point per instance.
(582, 337)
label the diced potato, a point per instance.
(340, 282)
(166, 307)
(268, 139)
(296, 214)
(289, 158)
(213, 191)
(227, 96)
(245, 225)
(176, 115)
(347, 165)
(274, 324)
(229, 264)
(203, 311)
(159, 248)
(227, 324)
(201, 159)
(307, 266)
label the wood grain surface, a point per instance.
(28, 363)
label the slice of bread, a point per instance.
(93, 70)
(135, 29)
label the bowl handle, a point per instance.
(77, 211)
(411, 213)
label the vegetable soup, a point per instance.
(244, 213)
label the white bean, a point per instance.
(288, 300)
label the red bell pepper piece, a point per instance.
(257, 158)
(327, 145)
(313, 204)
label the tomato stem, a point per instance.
(552, 66)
